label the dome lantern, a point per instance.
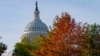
(36, 12)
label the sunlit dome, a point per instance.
(35, 27)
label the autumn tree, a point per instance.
(66, 38)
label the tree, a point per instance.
(66, 38)
(20, 50)
(93, 40)
(3, 47)
(27, 47)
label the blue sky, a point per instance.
(15, 14)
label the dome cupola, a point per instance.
(35, 27)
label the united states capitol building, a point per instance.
(34, 28)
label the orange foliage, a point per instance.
(65, 39)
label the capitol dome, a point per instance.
(35, 27)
